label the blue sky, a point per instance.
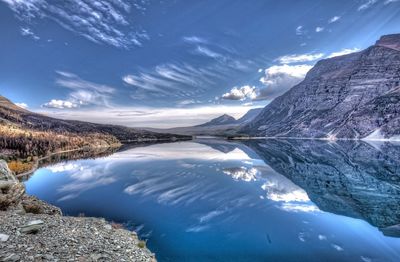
(173, 63)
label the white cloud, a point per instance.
(201, 50)
(300, 30)
(25, 31)
(319, 29)
(280, 78)
(101, 21)
(194, 40)
(345, 51)
(173, 80)
(334, 19)
(187, 102)
(60, 104)
(390, 1)
(82, 92)
(289, 59)
(367, 4)
(241, 93)
(22, 105)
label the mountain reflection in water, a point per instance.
(349, 178)
(255, 200)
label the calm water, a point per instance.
(264, 200)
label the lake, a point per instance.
(256, 200)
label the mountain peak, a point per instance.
(390, 41)
(225, 119)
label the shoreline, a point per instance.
(32, 228)
(36, 163)
(312, 138)
(122, 143)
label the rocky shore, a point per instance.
(32, 230)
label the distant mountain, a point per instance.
(221, 120)
(350, 96)
(224, 125)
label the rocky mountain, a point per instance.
(350, 96)
(221, 120)
(224, 125)
(350, 178)
(250, 115)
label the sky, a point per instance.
(163, 64)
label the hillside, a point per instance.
(350, 96)
(24, 134)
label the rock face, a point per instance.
(349, 178)
(11, 191)
(350, 96)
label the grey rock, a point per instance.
(350, 96)
(4, 237)
(12, 257)
(68, 239)
(32, 227)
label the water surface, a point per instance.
(211, 200)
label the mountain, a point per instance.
(250, 115)
(24, 133)
(350, 96)
(221, 120)
(224, 125)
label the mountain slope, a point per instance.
(24, 134)
(250, 115)
(341, 97)
(11, 113)
(221, 126)
(221, 120)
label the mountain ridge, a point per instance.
(334, 100)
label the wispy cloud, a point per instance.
(25, 31)
(334, 19)
(299, 58)
(173, 80)
(390, 1)
(102, 21)
(319, 29)
(241, 93)
(300, 30)
(82, 93)
(194, 40)
(345, 51)
(202, 50)
(367, 4)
